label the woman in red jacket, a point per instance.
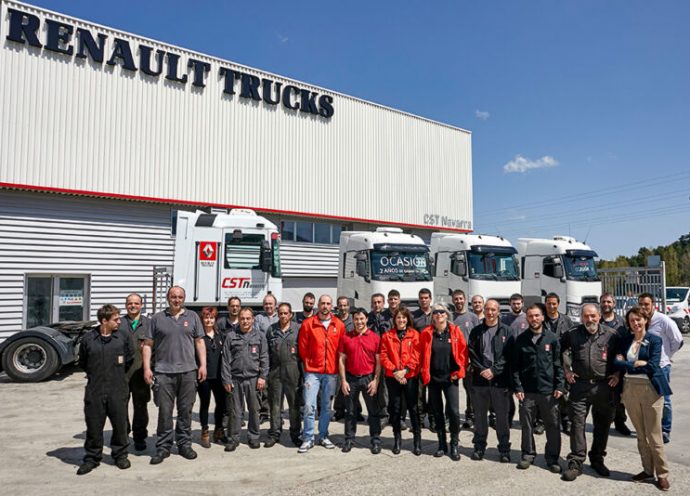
(444, 358)
(400, 361)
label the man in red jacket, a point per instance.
(319, 338)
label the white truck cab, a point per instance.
(476, 263)
(678, 306)
(376, 262)
(561, 265)
(222, 254)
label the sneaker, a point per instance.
(477, 455)
(123, 463)
(270, 443)
(86, 467)
(664, 484)
(186, 452)
(539, 429)
(505, 458)
(231, 446)
(254, 444)
(555, 468)
(305, 446)
(572, 473)
(375, 448)
(642, 477)
(524, 464)
(468, 424)
(326, 443)
(600, 469)
(347, 447)
(667, 437)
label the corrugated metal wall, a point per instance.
(117, 243)
(76, 124)
(309, 260)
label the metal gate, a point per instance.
(626, 283)
(162, 281)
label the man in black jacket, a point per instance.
(488, 349)
(105, 356)
(538, 384)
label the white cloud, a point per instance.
(482, 114)
(281, 38)
(522, 164)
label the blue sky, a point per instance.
(580, 110)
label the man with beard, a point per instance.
(308, 301)
(663, 326)
(559, 324)
(466, 321)
(589, 369)
(538, 384)
(617, 323)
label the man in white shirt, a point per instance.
(664, 327)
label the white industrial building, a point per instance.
(104, 135)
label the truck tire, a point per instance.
(30, 360)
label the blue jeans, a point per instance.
(668, 414)
(313, 385)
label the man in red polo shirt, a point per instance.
(360, 372)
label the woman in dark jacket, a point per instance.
(400, 361)
(213, 383)
(643, 395)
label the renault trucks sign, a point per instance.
(79, 43)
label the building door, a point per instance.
(56, 297)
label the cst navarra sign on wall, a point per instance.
(81, 43)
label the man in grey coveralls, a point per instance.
(244, 371)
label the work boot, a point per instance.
(442, 444)
(622, 429)
(417, 446)
(454, 451)
(219, 436)
(397, 441)
(86, 467)
(205, 441)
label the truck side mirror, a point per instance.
(362, 270)
(558, 271)
(266, 259)
(457, 263)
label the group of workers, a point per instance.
(400, 363)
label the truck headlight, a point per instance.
(573, 310)
(675, 308)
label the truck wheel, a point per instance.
(685, 326)
(30, 360)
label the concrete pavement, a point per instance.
(42, 432)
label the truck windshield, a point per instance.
(676, 294)
(580, 268)
(493, 266)
(244, 253)
(400, 266)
